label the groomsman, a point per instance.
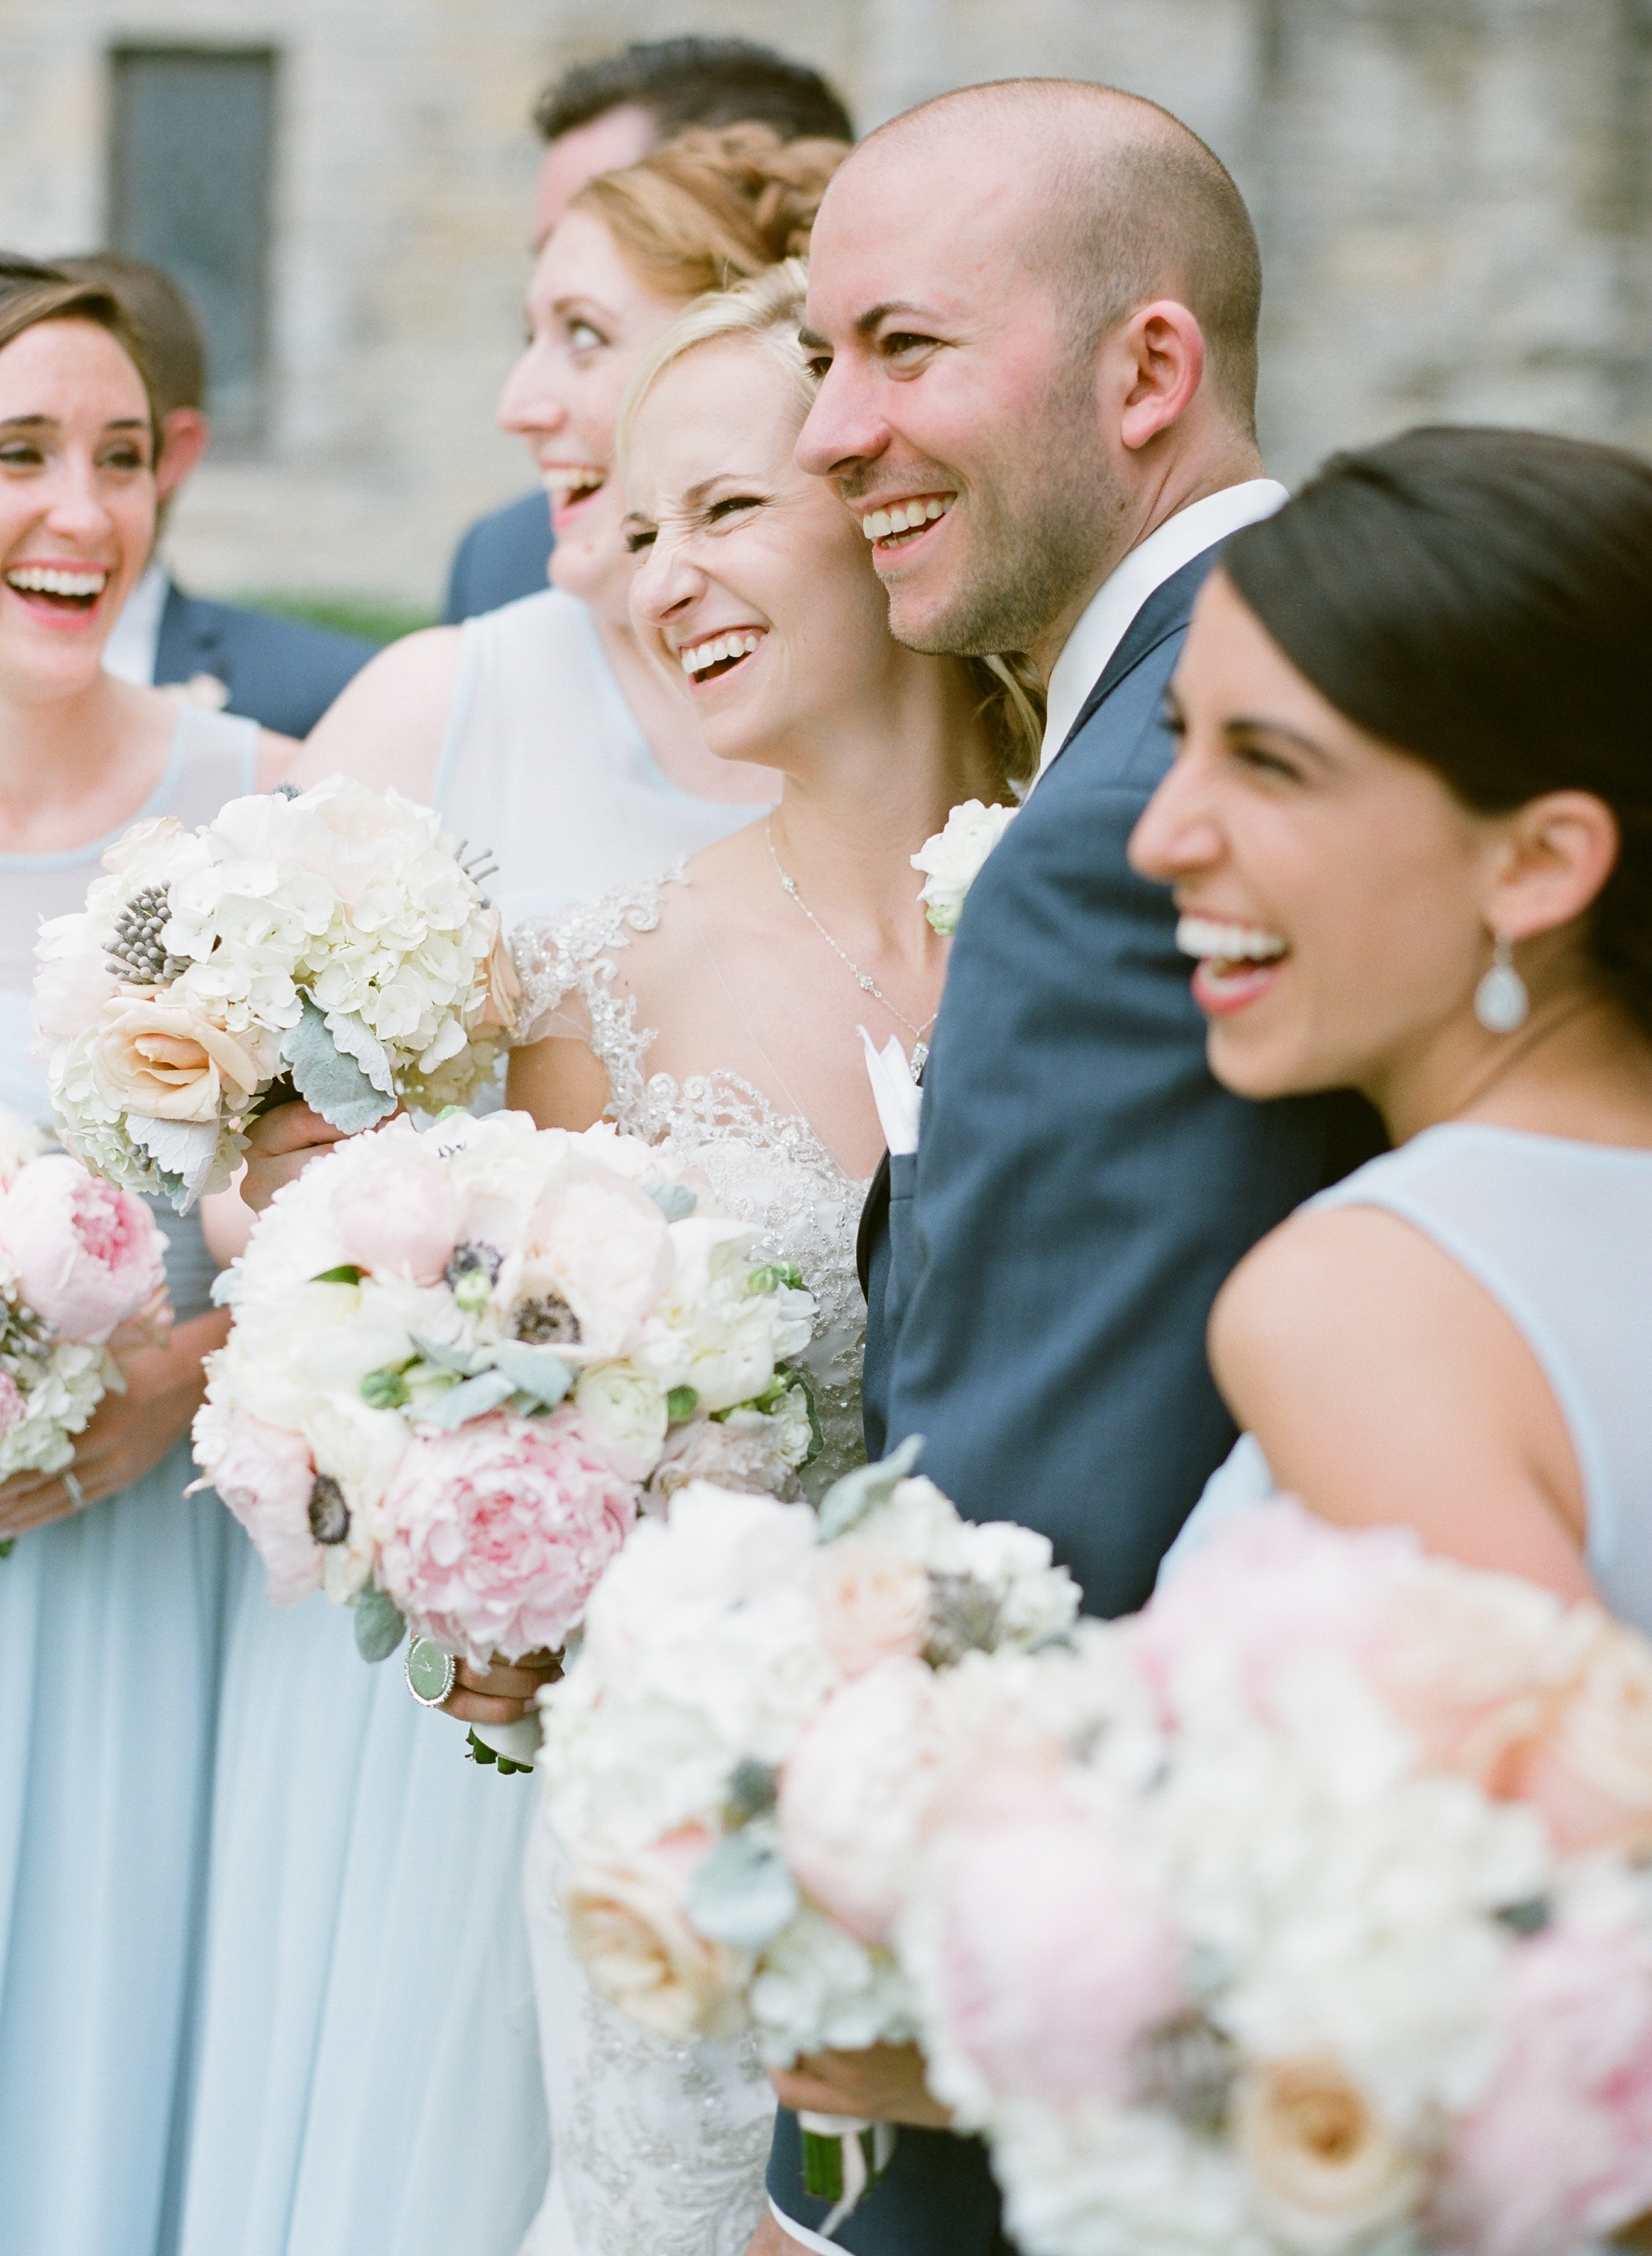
(282, 672)
(1036, 305)
(597, 118)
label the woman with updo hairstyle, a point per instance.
(1410, 835)
(367, 2074)
(112, 1586)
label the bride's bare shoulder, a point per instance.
(387, 726)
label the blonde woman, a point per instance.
(720, 1003)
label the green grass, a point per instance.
(381, 618)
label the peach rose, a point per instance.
(874, 1604)
(630, 1933)
(1590, 1777)
(504, 989)
(168, 1060)
(1324, 2168)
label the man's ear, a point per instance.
(1156, 361)
(185, 436)
(1560, 851)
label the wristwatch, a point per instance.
(430, 1672)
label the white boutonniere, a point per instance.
(951, 860)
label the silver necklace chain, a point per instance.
(862, 979)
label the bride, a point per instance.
(721, 1005)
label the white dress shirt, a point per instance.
(130, 652)
(1107, 617)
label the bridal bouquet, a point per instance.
(1329, 1929)
(459, 1352)
(81, 1278)
(329, 943)
(739, 1759)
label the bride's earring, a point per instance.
(1501, 1000)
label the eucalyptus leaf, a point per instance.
(472, 1398)
(464, 1360)
(328, 1079)
(675, 1201)
(538, 1372)
(848, 1501)
(741, 1892)
(379, 1627)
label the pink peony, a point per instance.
(856, 1790)
(1559, 2151)
(265, 1475)
(1052, 1957)
(87, 1254)
(397, 1216)
(1274, 1585)
(11, 1402)
(494, 1535)
(874, 1602)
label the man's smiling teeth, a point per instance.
(1216, 943)
(41, 580)
(904, 518)
(704, 655)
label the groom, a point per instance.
(1035, 304)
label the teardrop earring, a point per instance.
(1501, 1000)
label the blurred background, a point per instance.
(1454, 198)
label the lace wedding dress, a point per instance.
(659, 2149)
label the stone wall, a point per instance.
(1453, 195)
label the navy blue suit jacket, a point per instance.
(1041, 1272)
(502, 557)
(281, 672)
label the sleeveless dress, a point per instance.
(370, 2080)
(660, 2149)
(111, 1628)
(1559, 1233)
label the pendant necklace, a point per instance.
(862, 979)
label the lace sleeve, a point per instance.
(567, 967)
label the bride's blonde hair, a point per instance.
(767, 314)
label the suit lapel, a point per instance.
(1166, 611)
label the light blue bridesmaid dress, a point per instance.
(1559, 1233)
(369, 2079)
(111, 1637)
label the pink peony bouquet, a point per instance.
(330, 943)
(460, 1358)
(1324, 1926)
(740, 1762)
(82, 1280)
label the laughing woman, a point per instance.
(111, 1600)
(1410, 835)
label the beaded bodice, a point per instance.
(768, 1166)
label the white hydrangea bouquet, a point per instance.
(460, 1354)
(1324, 1929)
(83, 1280)
(739, 1760)
(330, 943)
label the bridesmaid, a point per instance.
(1410, 835)
(111, 1601)
(367, 2075)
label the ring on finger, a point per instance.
(71, 1488)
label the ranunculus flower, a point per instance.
(494, 1535)
(1052, 1957)
(169, 1061)
(87, 1254)
(734, 1456)
(1558, 2154)
(1324, 2168)
(874, 1602)
(627, 1927)
(1591, 1775)
(265, 1475)
(631, 1411)
(398, 1217)
(856, 1789)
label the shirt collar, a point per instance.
(1106, 619)
(130, 652)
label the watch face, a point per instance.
(430, 1672)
